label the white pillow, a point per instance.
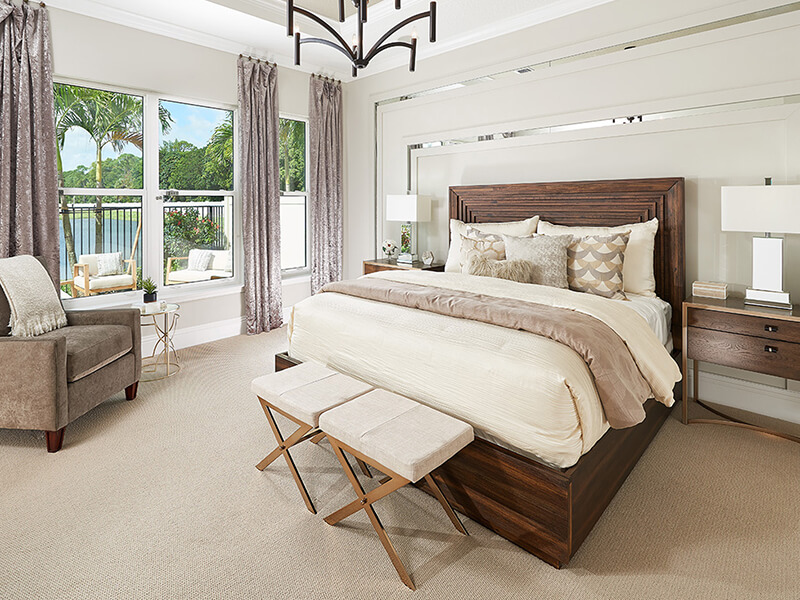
(638, 276)
(110, 264)
(199, 259)
(459, 228)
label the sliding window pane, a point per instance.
(197, 239)
(101, 244)
(293, 232)
(196, 151)
(292, 158)
(99, 136)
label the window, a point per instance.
(196, 181)
(145, 182)
(294, 195)
(100, 169)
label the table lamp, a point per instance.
(772, 209)
(409, 208)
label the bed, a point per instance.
(521, 492)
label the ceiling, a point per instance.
(258, 27)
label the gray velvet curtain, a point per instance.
(28, 175)
(325, 181)
(261, 212)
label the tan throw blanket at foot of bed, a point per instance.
(620, 385)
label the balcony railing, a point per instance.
(121, 231)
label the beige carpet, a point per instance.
(159, 498)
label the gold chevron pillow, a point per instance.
(594, 264)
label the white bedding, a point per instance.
(525, 392)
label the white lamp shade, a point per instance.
(408, 208)
(757, 208)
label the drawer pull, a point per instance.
(771, 328)
(771, 349)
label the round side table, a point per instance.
(164, 361)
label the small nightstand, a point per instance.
(384, 264)
(726, 332)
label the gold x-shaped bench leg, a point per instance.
(365, 501)
(283, 448)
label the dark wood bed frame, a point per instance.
(546, 510)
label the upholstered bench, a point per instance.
(399, 437)
(302, 394)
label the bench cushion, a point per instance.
(308, 390)
(400, 434)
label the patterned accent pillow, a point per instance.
(199, 259)
(520, 271)
(110, 264)
(476, 243)
(548, 254)
(594, 264)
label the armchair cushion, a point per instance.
(110, 264)
(92, 347)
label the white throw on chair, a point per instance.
(98, 273)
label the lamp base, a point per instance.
(768, 299)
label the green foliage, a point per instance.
(186, 230)
(292, 144)
(148, 285)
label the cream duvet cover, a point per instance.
(525, 392)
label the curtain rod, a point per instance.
(326, 78)
(258, 60)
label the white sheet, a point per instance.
(525, 392)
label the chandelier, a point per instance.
(355, 52)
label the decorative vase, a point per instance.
(150, 297)
(389, 248)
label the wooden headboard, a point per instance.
(606, 203)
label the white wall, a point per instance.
(95, 51)
(748, 61)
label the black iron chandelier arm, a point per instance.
(319, 21)
(346, 51)
(375, 51)
(377, 47)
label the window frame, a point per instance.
(153, 209)
(305, 271)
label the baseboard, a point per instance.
(766, 400)
(199, 334)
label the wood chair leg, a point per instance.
(131, 391)
(54, 439)
(318, 438)
(364, 468)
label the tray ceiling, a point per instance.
(257, 27)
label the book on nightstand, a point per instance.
(710, 289)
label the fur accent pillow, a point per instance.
(548, 254)
(459, 228)
(110, 264)
(520, 271)
(486, 245)
(594, 264)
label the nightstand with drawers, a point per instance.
(384, 264)
(729, 333)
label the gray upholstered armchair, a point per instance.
(49, 380)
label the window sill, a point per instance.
(176, 294)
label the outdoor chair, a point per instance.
(201, 266)
(88, 281)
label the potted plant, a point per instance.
(150, 293)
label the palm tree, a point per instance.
(65, 100)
